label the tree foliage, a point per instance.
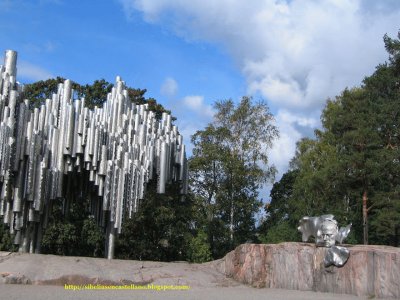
(74, 233)
(281, 216)
(228, 167)
(95, 94)
(6, 239)
(160, 230)
(199, 248)
(41, 90)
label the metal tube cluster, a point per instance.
(45, 154)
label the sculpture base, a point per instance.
(369, 271)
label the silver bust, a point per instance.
(326, 233)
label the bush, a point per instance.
(6, 238)
(60, 239)
(281, 232)
(199, 250)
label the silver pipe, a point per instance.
(10, 62)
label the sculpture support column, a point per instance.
(110, 236)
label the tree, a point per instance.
(137, 96)
(392, 46)
(95, 94)
(228, 166)
(351, 169)
(199, 249)
(353, 130)
(39, 91)
(160, 229)
(74, 233)
(6, 239)
(281, 219)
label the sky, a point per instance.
(294, 54)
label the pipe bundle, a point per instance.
(44, 152)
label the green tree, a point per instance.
(199, 248)
(39, 91)
(353, 130)
(228, 167)
(316, 184)
(73, 233)
(6, 239)
(92, 238)
(159, 230)
(95, 94)
(281, 232)
(137, 96)
(61, 238)
(280, 224)
(340, 171)
(351, 169)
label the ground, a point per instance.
(44, 277)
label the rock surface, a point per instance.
(41, 269)
(372, 271)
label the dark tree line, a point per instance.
(95, 94)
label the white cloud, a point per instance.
(32, 72)
(196, 104)
(295, 53)
(169, 87)
(284, 147)
(192, 114)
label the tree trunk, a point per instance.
(365, 216)
(231, 227)
(231, 223)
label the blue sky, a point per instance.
(187, 54)
(84, 42)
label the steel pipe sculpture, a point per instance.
(326, 233)
(117, 148)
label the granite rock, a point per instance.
(372, 271)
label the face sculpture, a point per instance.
(325, 231)
(326, 235)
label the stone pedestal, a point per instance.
(372, 271)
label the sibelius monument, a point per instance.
(63, 150)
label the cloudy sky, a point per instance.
(294, 54)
